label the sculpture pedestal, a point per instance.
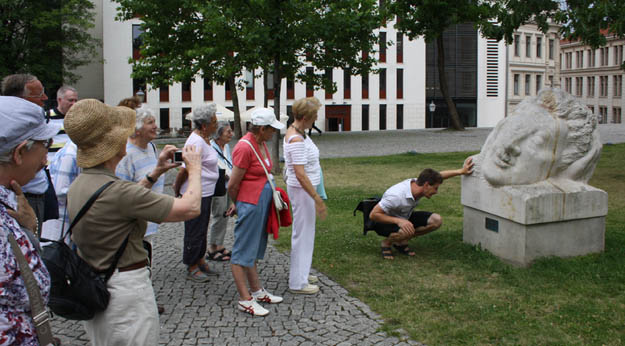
(522, 223)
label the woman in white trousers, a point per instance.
(303, 175)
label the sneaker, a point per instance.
(309, 289)
(265, 297)
(197, 275)
(252, 307)
(312, 279)
(206, 270)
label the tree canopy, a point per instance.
(46, 38)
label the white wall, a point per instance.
(490, 109)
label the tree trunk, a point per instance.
(266, 87)
(235, 103)
(275, 155)
(454, 118)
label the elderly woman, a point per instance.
(121, 212)
(303, 176)
(205, 122)
(219, 222)
(250, 188)
(24, 142)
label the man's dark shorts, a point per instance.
(418, 219)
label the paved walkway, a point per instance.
(204, 314)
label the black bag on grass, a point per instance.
(365, 206)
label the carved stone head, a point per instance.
(549, 136)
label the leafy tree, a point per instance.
(46, 38)
(219, 39)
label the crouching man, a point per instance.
(394, 217)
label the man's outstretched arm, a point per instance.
(467, 168)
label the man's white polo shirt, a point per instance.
(398, 201)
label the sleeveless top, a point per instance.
(303, 153)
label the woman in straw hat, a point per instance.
(121, 211)
(24, 142)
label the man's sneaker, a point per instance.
(309, 289)
(312, 279)
(252, 307)
(265, 297)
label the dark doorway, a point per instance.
(338, 118)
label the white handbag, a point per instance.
(278, 202)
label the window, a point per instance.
(163, 93)
(591, 58)
(329, 79)
(539, 82)
(365, 117)
(164, 118)
(400, 117)
(290, 87)
(603, 86)
(616, 115)
(186, 124)
(569, 58)
(618, 55)
(528, 46)
(516, 84)
(567, 84)
(539, 47)
(208, 90)
(382, 44)
(400, 83)
(347, 84)
(400, 47)
(382, 83)
(579, 86)
(579, 59)
(604, 53)
(249, 84)
(551, 48)
(517, 45)
(590, 81)
(365, 86)
(382, 117)
(618, 86)
(603, 114)
(528, 79)
(551, 81)
(137, 41)
(309, 88)
(592, 108)
(270, 91)
(186, 91)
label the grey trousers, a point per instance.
(219, 222)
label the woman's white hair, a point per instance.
(204, 114)
(143, 114)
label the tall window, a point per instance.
(618, 86)
(551, 48)
(208, 90)
(517, 45)
(382, 44)
(400, 117)
(347, 84)
(604, 53)
(603, 86)
(164, 118)
(163, 93)
(290, 87)
(365, 117)
(400, 47)
(567, 84)
(603, 114)
(186, 91)
(186, 124)
(382, 117)
(579, 85)
(590, 82)
(365, 86)
(539, 82)
(539, 47)
(270, 91)
(382, 83)
(591, 58)
(516, 84)
(249, 85)
(328, 77)
(528, 46)
(579, 57)
(616, 115)
(527, 84)
(309, 88)
(400, 83)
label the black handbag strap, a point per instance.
(222, 156)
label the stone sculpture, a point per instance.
(528, 196)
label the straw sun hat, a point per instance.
(99, 131)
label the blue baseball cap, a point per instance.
(22, 120)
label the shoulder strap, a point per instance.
(37, 308)
(218, 150)
(261, 163)
(155, 151)
(86, 207)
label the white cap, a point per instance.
(265, 116)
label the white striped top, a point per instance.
(303, 153)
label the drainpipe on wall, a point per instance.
(507, 77)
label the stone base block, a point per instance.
(520, 244)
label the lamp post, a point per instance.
(141, 95)
(432, 107)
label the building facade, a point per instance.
(595, 76)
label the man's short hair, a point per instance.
(15, 84)
(62, 90)
(429, 176)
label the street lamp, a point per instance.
(432, 107)
(141, 95)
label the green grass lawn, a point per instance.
(455, 293)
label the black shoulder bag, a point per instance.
(77, 291)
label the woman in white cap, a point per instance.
(121, 212)
(250, 189)
(301, 157)
(24, 142)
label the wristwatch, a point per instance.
(149, 178)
